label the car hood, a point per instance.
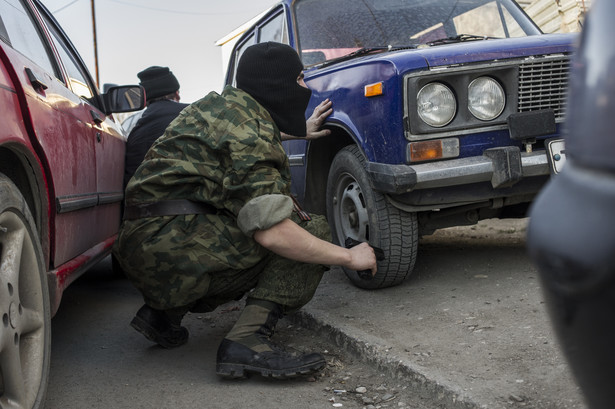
(488, 50)
(464, 52)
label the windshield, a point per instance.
(329, 29)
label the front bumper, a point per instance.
(503, 167)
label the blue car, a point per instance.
(446, 112)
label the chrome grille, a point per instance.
(543, 84)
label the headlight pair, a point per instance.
(437, 105)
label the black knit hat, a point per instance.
(158, 82)
(269, 72)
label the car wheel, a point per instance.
(355, 210)
(25, 333)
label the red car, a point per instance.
(61, 169)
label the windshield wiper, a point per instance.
(366, 50)
(459, 38)
(359, 52)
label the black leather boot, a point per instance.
(161, 327)
(248, 348)
(235, 360)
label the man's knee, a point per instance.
(288, 283)
(319, 227)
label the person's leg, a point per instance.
(160, 265)
(161, 326)
(283, 286)
(229, 285)
(289, 283)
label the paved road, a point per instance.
(468, 330)
(99, 362)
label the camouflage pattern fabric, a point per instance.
(223, 150)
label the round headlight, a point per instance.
(436, 104)
(486, 98)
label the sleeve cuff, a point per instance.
(263, 212)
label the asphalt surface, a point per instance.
(99, 362)
(469, 329)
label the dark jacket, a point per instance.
(150, 127)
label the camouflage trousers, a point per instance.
(175, 278)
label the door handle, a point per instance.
(36, 82)
(96, 117)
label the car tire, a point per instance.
(25, 327)
(357, 211)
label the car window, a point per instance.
(79, 82)
(483, 20)
(330, 29)
(4, 35)
(23, 34)
(274, 30)
(251, 39)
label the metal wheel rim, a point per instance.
(351, 213)
(22, 326)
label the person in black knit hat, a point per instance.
(163, 106)
(210, 218)
(158, 82)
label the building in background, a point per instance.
(557, 16)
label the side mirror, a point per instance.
(125, 98)
(107, 86)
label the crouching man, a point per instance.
(209, 218)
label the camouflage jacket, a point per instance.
(223, 150)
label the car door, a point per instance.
(110, 150)
(105, 134)
(274, 28)
(62, 127)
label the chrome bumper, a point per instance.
(503, 167)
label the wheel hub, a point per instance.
(353, 218)
(353, 215)
(14, 315)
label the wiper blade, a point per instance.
(459, 38)
(359, 52)
(403, 47)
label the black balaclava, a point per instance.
(268, 72)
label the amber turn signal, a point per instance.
(432, 150)
(373, 90)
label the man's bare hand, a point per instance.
(314, 122)
(363, 258)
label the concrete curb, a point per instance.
(372, 351)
